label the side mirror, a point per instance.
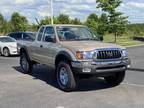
(49, 38)
(100, 38)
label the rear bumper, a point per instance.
(101, 66)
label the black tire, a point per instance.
(116, 79)
(28, 64)
(71, 83)
(6, 52)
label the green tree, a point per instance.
(135, 29)
(1, 22)
(56, 21)
(102, 24)
(7, 27)
(76, 21)
(45, 21)
(63, 19)
(117, 21)
(93, 16)
(92, 22)
(19, 23)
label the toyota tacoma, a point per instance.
(74, 52)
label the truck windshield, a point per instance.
(71, 33)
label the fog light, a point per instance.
(128, 66)
(86, 70)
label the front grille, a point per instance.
(109, 54)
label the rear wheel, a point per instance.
(65, 77)
(25, 63)
(6, 52)
(116, 79)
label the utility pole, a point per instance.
(52, 12)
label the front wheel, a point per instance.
(65, 77)
(6, 52)
(25, 63)
(115, 79)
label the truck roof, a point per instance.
(65, 25)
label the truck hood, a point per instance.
(87, 45)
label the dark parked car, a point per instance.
(23, 36)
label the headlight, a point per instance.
(85, 54)
(124, 53)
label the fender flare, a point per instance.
(64, 53)
(23, 49)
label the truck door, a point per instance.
(49, 46)
(38, 46)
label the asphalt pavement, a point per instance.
(39, 89)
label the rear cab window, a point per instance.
(28, 37)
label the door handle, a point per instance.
(41, 46)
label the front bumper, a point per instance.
(14, 51)
(108, 66)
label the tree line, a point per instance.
(110, 21)
(20, 23)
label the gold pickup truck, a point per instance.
(74, 52)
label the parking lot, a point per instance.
(39, 89)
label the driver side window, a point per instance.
(40, 34)
(49, 33)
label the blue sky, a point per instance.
(74, 8)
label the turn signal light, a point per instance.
(79, 55)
